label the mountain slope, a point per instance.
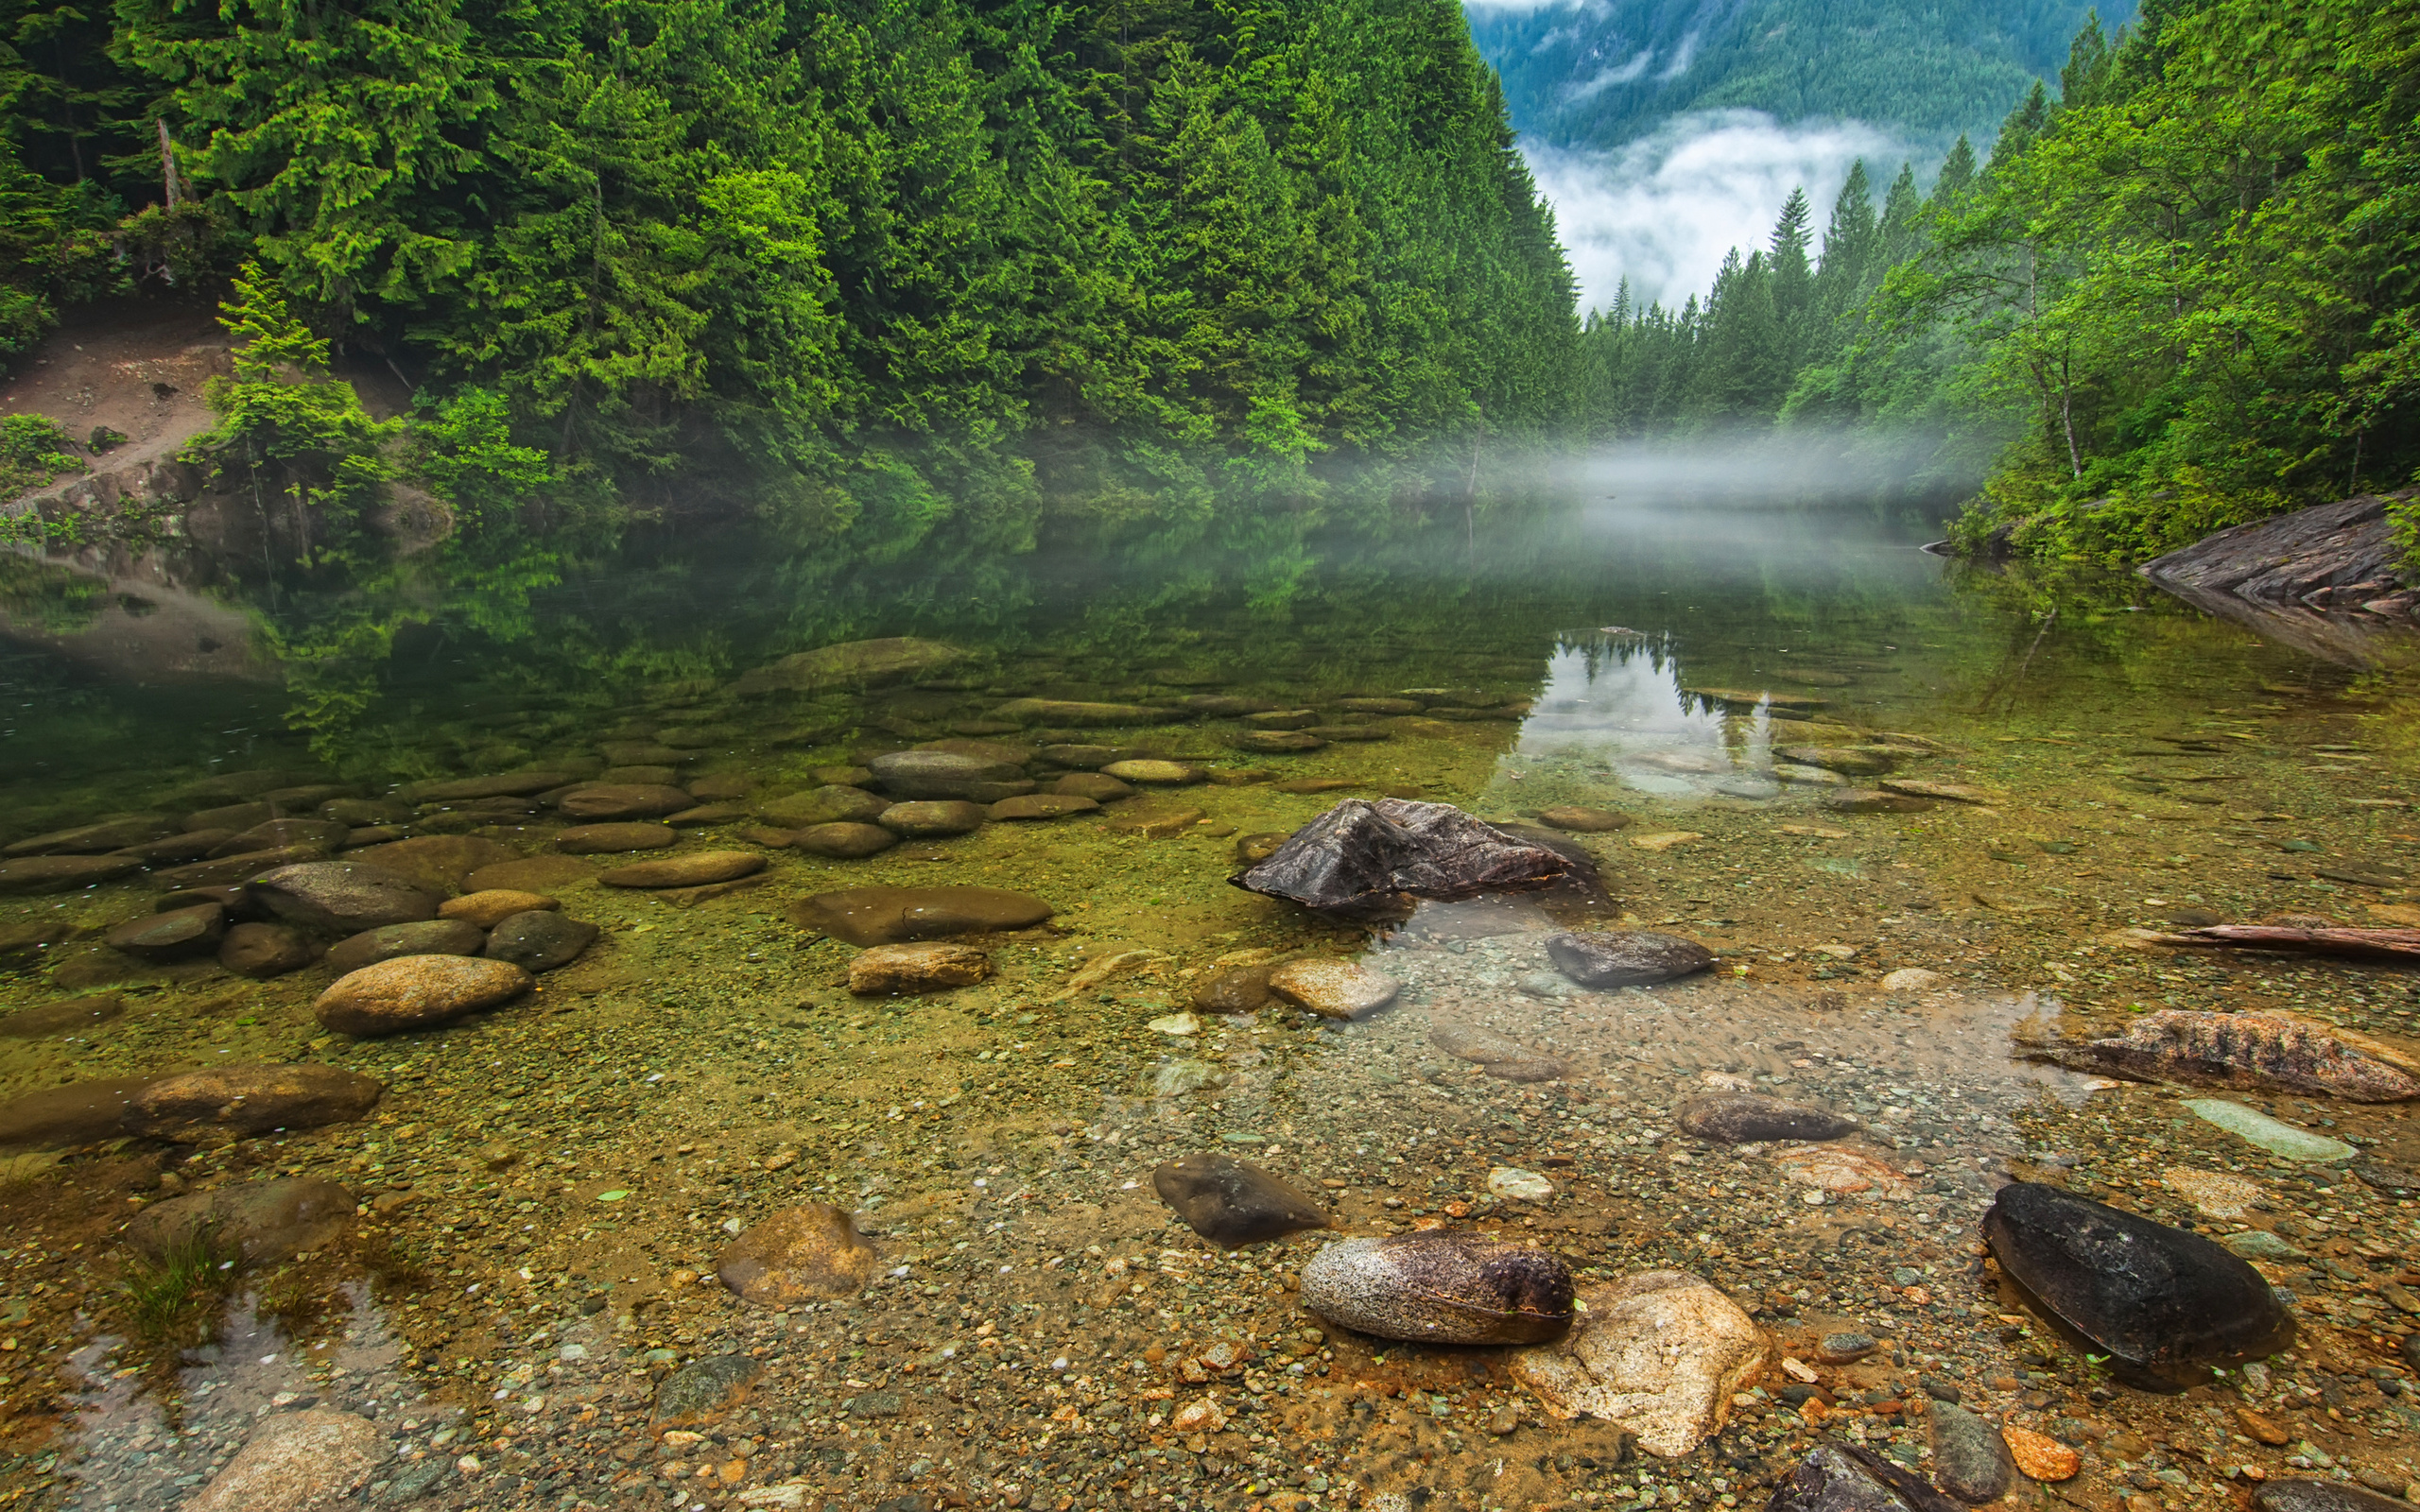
(1600, 73)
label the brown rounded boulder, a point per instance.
(417, 993)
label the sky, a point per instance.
(1664, 211)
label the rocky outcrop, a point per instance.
(2325, 581)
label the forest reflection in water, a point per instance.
(545, 1188)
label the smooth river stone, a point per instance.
(1332, 988)
(605, 802)
(822, 805)
(1233, 1204)
(884, 970)
(324, 834)
(1844, 1477)
(807, 1254)
(436, 936)
(491, 906)
(1235, 989)
(341, 897)
(1577, 820)
(606, 839)
(92, 839)
(2300, 1495)
(171, 935)
(1626, 957)
(63, 873)
(843, 842)
(297, 1462)
(2282, 1139)
(1442, 1287)
(1151, 772)
(539, 939)
(931, 818)
(2161, 1301)
(1088, 715)
(1745, 1118)
(696, 870)
(1272, 743)
(1041, 806)
(440, 863)
(220, 1104)
(911, 774)
(1873, 800)
(887, 916)
(417, 993)
(265, 951)
(1099, 787)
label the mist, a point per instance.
(1664, 211)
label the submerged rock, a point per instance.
(843, 842)
(696, 870)
(418, 993)
(704, 1388)
(1099, 787)
(822, 805)
(539, 939)
(2279, 1139)
(1659, 1353)
(1838, 1477)
(1499, 1055)
(1236, 990)
(1056, 712)
(1042, 806)
(78, 1113)
(92, 839)
(492, 906)
(2160, 1301)
(1373, 855)
(1334, 990)
(932, 968)
(73, 1016)
(932, 819)
(440, 863)
(437, 936)
(1233, 1204)
(226, 1103)
(850, 664)
(1626, 957)
(265, 1222)
(62, 873)
(294, 1462)
(172, 934)
(605, 839)
(913, 774)
(1970, 1458)
(341, 897)
(1441, 1287)
(1584, 820)
(2322, 1496)
(263, 950)
(807, 1254)
(2252, 1051)
(1874, 800)
(1744, 1118)
(614, 801)
(890, 915)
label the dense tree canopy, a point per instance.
(860, 265)
(2178, 296)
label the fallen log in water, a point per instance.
(2400, 944)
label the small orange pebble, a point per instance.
(2039, 1455)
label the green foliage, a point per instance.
(463, 447)
(2177, 297)
(297, 441)
(34, 449)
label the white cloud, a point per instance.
(1618, 74)
(1664, 211)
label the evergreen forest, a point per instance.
(2176, 295)
(858, 267)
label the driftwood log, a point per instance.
(2395, 944)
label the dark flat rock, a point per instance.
(1971, 1460)
(2321, 1496)
(1838, 1477)
(2164, 1303)
(1745, 1118)
(1369, 856)
(1233, 1204)
(1626, 957)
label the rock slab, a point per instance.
(265, 1222)
(226, 1103)
(295, 1462)
(1660, 1354)
(893, 916)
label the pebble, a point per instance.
(2259, 1244)
(1441, 1287)
(696, 869)
(1658, 1352)
(1626, 957)
(2279, 1139)
(1334, 988)
(1846, 1348)
(1499, 1055)
(1232, 1203)
(539, 939)
(1201, 1416)
(2039, 1455)
(884, 970)
(1912, 979)
(419, 992)
(1971, 1461)
(804, 1254)
(1663, 839)
(295, 1462)
(2260, 1428)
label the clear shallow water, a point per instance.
(706, 1061)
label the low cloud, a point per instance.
(1663, 210)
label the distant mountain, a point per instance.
(1601, 73)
